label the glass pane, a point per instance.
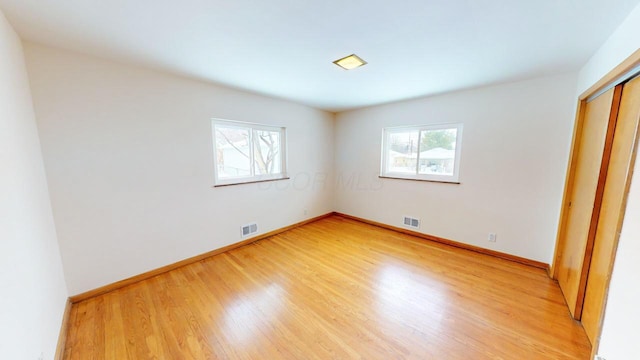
(232, 151)
(402, 152)
(437, 151)
(266, 147)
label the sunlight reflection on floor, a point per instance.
(398, 294)
(245, 317)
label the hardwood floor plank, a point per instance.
(333, 289)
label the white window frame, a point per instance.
(384, 166)
(253, 178)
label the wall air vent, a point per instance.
(411, 222)
(249, 229)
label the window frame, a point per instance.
(388, 131)
(253, 178)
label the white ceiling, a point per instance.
(284, 48)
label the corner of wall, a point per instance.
(33, 307)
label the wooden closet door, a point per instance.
(612, 209)
(583, 196)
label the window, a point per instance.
(427, 152)
(247, 152)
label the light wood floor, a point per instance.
(333, 289)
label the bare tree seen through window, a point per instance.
(240, 150)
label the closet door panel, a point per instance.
(616, 189)
(584, 190)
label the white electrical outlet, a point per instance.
(41, 357)
(598, 357)
(493, 237)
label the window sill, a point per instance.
(425, 180)
(250, 182)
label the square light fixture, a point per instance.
(350, 62)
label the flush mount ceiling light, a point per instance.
(350, 62)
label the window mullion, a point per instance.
(283, 152)
(252, 167)
(418, 153)
(386, 150)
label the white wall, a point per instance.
(33, 292)
(128, 153)
(620, 331)
(514, 155)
